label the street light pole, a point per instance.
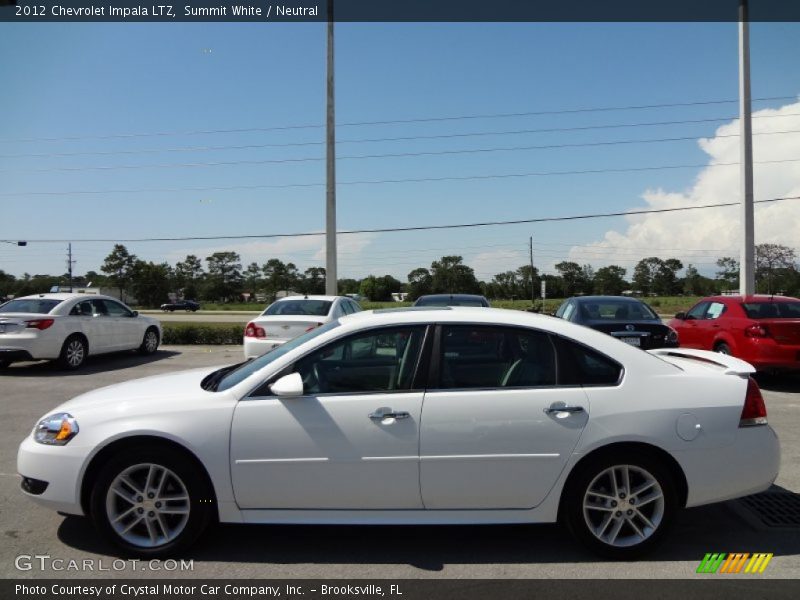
(747, 253)
(330, 170)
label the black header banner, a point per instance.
(256, 11)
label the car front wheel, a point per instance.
(620, 506)
(151, 503)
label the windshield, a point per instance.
(315, 308)
(772, 310)
(616, 310)
(40, 306)
(246, 369)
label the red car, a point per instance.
(762, 330)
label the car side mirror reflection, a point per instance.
(288, 386)
(136, 313)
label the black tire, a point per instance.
(634, 537)
(73, 352)
(723, 348)
(150, 341)
(137, 541)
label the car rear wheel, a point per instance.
(149, 342)
(151, 503)
(620, 506)
(73, 353)
(722, 348)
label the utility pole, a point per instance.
(747, 253)
(331, 287)
(533, 289)
(70, 262)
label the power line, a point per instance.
(391, 139)
(372, 156)
(419, 227)
(388, 122)
(408, 180)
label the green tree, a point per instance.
(610, 280)
(150, 283)
(279, 276)
(645, 273)
(665, 280)
(572, 277)
(252, 276)
(450, 276)
(313, 280)
(119, 267)
(728, 273)
(420, 283)
(224, 275)
(379, 289)
(774, 263)
(348, 286)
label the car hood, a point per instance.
(168, 389)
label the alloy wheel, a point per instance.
(147, 505)
(623, 506)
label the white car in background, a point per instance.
(413, 416)
(69, 327)
(289, 317)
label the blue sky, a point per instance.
(130, 92)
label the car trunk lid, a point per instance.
(691, 358)
(286, 327)
(16, 322)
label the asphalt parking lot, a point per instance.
(30, 390)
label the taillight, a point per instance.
(313, 327)
(756, 331)
(254, 331)
(754, 411)
(40, 324)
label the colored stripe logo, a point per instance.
(737, 562)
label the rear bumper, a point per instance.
(748, 466)
(12, 355)
(255, 347)
(767, 355)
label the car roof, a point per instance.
(64, 296)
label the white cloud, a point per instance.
(704, 235)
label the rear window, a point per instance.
(315, 308)
(451, 302)
(621, 310)
(772, 310)
(40, 306)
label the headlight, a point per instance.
(672, 336)
(56, 429)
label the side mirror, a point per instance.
(681, 316)
(288, 386)
(136, 313)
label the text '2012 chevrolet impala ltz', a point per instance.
(413, 416)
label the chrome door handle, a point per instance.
(380, 415)
(568, 409)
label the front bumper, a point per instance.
(60, 467)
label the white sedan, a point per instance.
(410, 416)
(69, 327)
(286, 318)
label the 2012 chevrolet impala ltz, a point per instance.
(413, 416)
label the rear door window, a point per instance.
(581, 365)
